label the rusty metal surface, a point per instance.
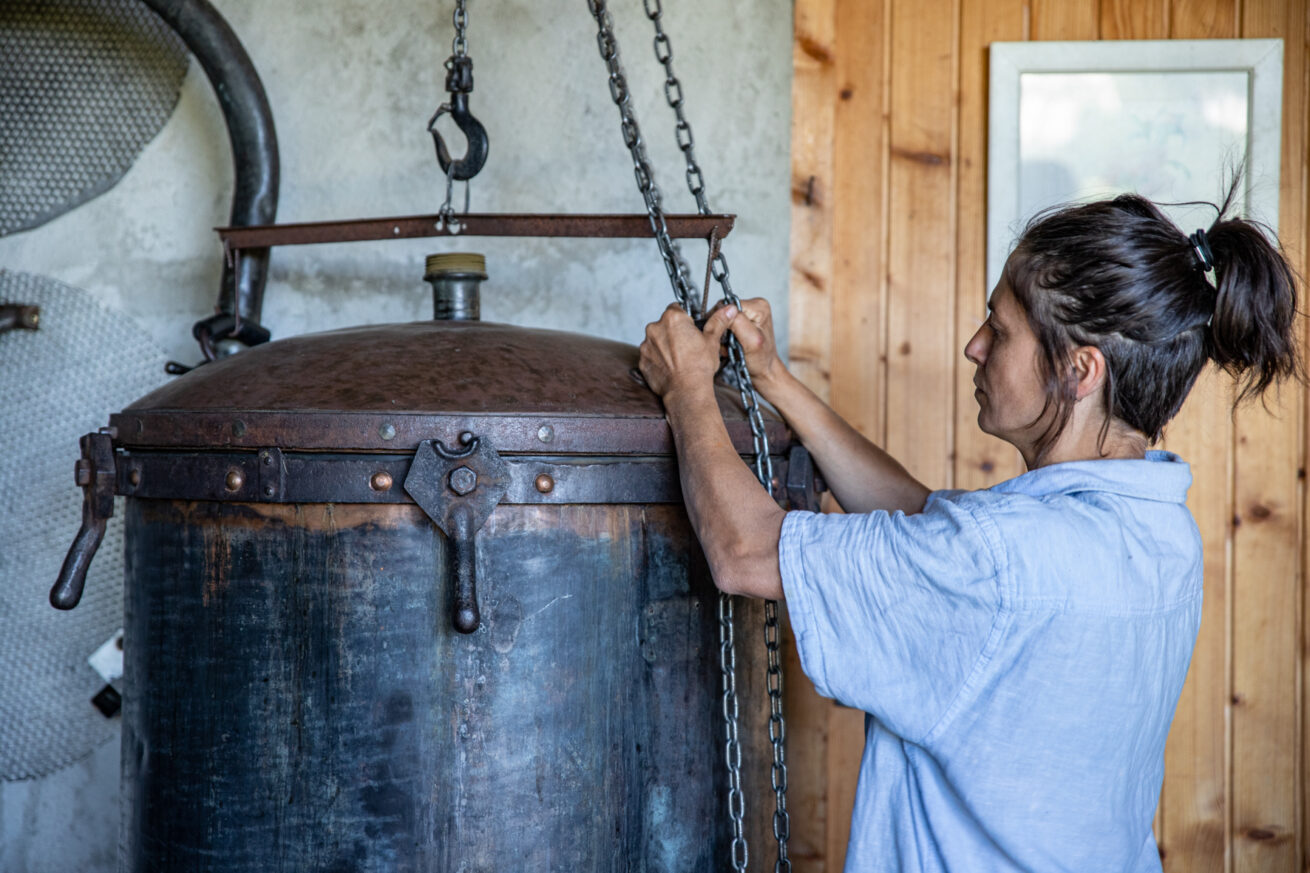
(298, 700)
(389, 387)
(472, 224)
(274, 476)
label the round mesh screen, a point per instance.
(84, 85)
(59, 382)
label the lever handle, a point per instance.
(464, 562)
(458, 489)
(67, 591)
(96, 474)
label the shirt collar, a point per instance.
(1159, 476)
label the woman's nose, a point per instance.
(976, 348)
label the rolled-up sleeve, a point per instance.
(892, 612)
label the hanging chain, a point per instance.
(679, 276)
(459, 47)
(732, 742)
(679, 272)
(750, 402)
(458, 68)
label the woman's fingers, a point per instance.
(675, 350)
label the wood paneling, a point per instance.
(812, 194)
(1064, 19)
(980, 460)
(1134, 19)
(890, 121)
(920, 258)
(1266, 781)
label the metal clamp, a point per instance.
(97, 475)
(459, 489)
(804, 484)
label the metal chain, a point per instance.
(732, 742)
(683, 290)
(446, 218)
(460, 45)
(679, 272)
(763, 461)
(679, 276)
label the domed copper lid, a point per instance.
(386, 388)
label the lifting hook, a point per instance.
(459, 82)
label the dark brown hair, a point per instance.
(1120, 276)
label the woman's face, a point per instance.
(1011, 392)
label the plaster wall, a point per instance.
(352, 85)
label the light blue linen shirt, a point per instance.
(1019, 651)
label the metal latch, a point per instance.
(804, 484)
(459, 489)
(97, 475)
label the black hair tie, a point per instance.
(1201, 248)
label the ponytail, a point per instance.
(1252, 333)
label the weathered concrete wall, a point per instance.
(352, 84)
(352, 90)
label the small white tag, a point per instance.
(108, 659)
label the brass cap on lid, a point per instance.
(457, 262)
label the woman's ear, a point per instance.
(1089, 369)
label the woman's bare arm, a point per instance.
(861, 476)
(736, 520)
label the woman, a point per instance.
(1019, 650)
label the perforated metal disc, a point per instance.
(58, 383)
(84, 85)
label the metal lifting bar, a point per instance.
(487, 224)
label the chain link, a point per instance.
(460, 44)
(674, 265)
(763, 461)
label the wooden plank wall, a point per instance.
(889, 157)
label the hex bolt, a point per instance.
(463, 480)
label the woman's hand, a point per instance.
(676, 355)
(755, 333)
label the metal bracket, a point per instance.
(97, 475)
(459, 489)
(803, 482)
(272, 474)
